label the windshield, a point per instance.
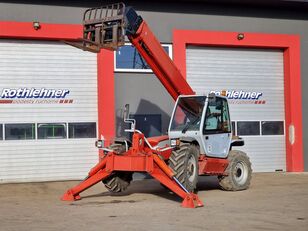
(188, 112)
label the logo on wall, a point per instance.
(242, 97)
(34, 96)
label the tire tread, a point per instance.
(118, 181)
(178, 160)
(227, 182)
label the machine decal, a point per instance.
(34, 96)
(241, 97)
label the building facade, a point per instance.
(57, 100)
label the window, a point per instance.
(248, 128)
(217, 116)
(82, 130)
(188, 114)
(51, 131)
(272, 128)
(20, 131)
(1, 131)
(127, 58)
(149, 124)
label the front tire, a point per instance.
(184, 163)
(118, 181)
(239, 172)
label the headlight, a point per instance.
(99, 143)
(174, 142)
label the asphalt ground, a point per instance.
(275, 201)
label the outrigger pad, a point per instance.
(192, 201)
(69, 196)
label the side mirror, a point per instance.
(126, 112)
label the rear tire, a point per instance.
(239, 172)
(184, 163)
(118, 181)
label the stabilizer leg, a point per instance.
(191, 200)
(97, 174)
(152, 164)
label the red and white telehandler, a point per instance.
(199, 140)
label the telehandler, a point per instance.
(199, 140)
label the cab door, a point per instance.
(217, 128)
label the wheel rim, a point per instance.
(240, 173)
(191, 168)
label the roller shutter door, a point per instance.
(50, 149)
(254, 82)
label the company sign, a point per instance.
(242, 97)
(34, 96)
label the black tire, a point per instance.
(239, 172)
(118, 181)
(184, 163)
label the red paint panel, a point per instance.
(290, 44)
(25, 30)
(212, 166)
(105, 83)
(293, 107)
(156, 139)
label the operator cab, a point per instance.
(205, 121)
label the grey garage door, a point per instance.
(254, 83)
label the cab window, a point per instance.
(217, 119)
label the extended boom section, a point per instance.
(106, 27)
(160, 62)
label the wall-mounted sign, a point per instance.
(242, 97)
(34, 96)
